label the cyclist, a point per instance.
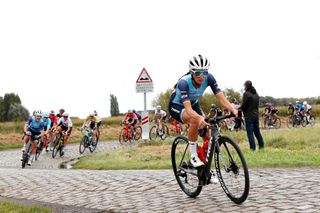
(138, 115)
(160, 115)
(92, 120)
(184, 105)
(299, 109)
(47, 126)
(291, 109)
(131, 119)
(214, 111)
(54, 120)
(64, 124)
(33, 128)
(274, 112)
(61, 111)
(99, 122)
(307, 109)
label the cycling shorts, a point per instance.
(176, 110)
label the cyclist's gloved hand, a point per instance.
(66, 133)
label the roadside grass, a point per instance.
(9, 207)
(283, 148)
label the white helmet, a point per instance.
(65, 114)
(158, 107)
(95, 112)
(92, 114)
(199, 63)
(305, 103)
(38, 113)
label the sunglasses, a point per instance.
(200, 72)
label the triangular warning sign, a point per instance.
(144, 77)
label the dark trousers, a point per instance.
(252, 126)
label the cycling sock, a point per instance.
(193, 148)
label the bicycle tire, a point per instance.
(24, 160)
(153, 133)
(304, 121)
(56, 146)
(186, 175)
(290, 122)
(138, 134)
(277, 123)
(230, 162)
(122, 137)
(165, 133)
(312, 120)
(39, 150)
(93, 147)
(82, 145)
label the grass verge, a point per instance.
(9, 207)
(283, 148)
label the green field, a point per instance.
(283, 148)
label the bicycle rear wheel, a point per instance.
(232, 170)
(312, 120)
(186, 175)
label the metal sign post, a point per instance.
(144, 84)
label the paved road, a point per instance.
(272, 190)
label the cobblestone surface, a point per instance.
(271, 190)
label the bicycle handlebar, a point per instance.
(219, 118)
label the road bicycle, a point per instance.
(273, 122)
(157, 131)
(126, 135)
(177, 128)
(28, 148)
(87, 142)
(40, 146)
(229, 165)
(57, 144)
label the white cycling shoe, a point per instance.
(196, 162)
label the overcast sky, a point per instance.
(74, 54)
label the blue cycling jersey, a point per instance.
(185, 89)
(35, 126)
(47, 123)
(299, 107)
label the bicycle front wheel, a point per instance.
(186, 175)
(232, 170)
(153, 133)
(56, 147)
(83, 144)
(277, 123)
(138, 133)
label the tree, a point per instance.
(17, 112)
(231, 94)
(163, 100)
(114, 106)
(11, 103)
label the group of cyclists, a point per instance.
(43, 126)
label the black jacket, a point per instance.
(250, 104)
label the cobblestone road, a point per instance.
(272, 190)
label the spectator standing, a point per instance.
(250, 108)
